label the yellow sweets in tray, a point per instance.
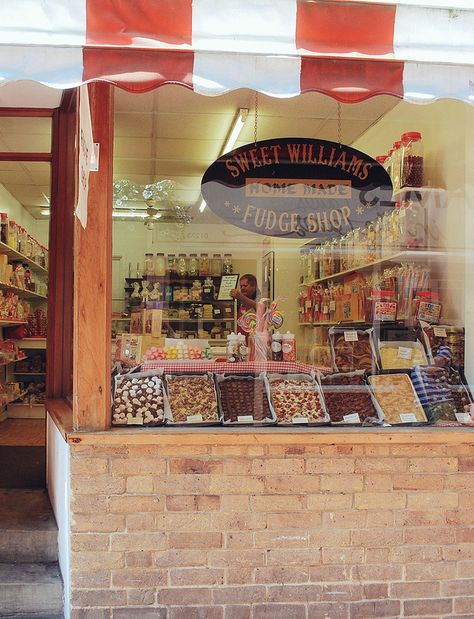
(401, 355)
(397, 398)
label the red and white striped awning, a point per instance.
(349, 50)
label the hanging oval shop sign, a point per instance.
(296, 187)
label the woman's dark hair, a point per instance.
(252, 280)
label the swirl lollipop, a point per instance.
(248, 321)
(274, 316)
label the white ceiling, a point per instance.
(173, 133)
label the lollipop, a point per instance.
(274, 316)
(248, 321)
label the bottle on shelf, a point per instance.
(289, 346)
(4, 228)
(193, 265)
(160, 265)
(182, 265)
(216, 265)
(148, 265)
(277, 353)
(171, 264)
(396, 165)
(204, 265)
(227, 267)
(412, 160)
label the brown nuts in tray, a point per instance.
(347, 394)
(192, 395)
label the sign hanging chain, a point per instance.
(339, 127)
(255, 126)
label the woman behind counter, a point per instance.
(247, 296)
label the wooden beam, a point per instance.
(93, 283)
(61, 243)
(26, 112)
(16, 156)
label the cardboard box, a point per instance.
(146, 322)
(136, 322)
(134, 347)
(152, 321)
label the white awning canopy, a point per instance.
(349, 50)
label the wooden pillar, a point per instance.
(61, 243)
(93, 279)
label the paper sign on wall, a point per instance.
(86, 155)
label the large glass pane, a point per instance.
(370, 315)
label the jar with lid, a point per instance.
(371, 243)
(193, 265)
(227, 267)
(289, 346)
(396, 165)
(148, 265)
(204, 265)
(233, 348)
(4, 228)
(378, 238)
(208, 290)
(277, 353)
(216, 265)
(388, 164)
(196, 291)
(182, 265)
(412, 160)
(171, 264)
(160, 265)
(356, 247)
(412, 216)
(350, 250)
(310, 265)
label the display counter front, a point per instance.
(278, 522)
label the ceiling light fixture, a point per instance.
(45, 211)
(235, 130)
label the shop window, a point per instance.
(356, 316)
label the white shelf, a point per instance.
(401, 256)
(12, 323)
(32, 343)
(21, 292)
(16, 255)
(192, 320)
(30, 373)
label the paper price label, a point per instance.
(352, 418)
(440, 332)
(245, 419)
(351, 336)
(404, 352)
(194, 418)
(300, 420)
(332, 306)
(408, 417)
(463, 417)
(135, 421)
(307, 304)
(325, 309)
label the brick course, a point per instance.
(272, 531)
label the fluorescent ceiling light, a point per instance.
(45, 211)
(235, 130)
(131, 214)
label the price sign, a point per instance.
(352, 418)
(408, 418)
(404, 352)
(440, 331)
(228, 283)
(351, 336)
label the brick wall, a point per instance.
(272, 531)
